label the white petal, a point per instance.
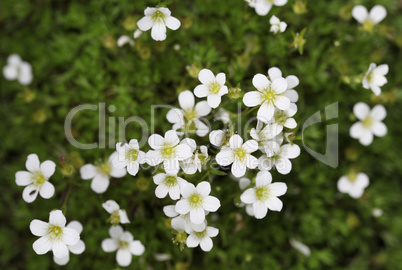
(366, 138)
(265, 112)
(221, 78)
(282, 103)
(110, 206)
(75, 225)
(356, 130)
(274, 204)
(359, 13)
(378, 13)
(279, 85)
(263, 178)
(260, 210)
(32, 163)
(158, 31)
(201, 91)
(23, 178)
(211, 204)
(216, 137)
(206, 76)
(262, 7)
(187, 190)
(47, 190)
(186, 100)
(132, 169)
(116, 231)
(362, 180)
(197, 215)
(59, 249)
(171, 137)
(292, 81)
(77, 248)
(290, 123)
(100, 183)
(236, 141)
(283, 165)
(145, 23)
(192, 241)
(378, 112)
(170, 211)
(214, 100)
(274, 72)
(123, 217)
(88, 171)
(183, 151)
(70, 236)
(174, 192)
(382, 69)
(153, 157)
(248, 196)
(250, 146)
(109, 245)
(225, 157)
(10, 72)
(182, 207)
(172, 23)
(206, 244)
(361, 110)
(161, 191)
(204, 188)
(30, 193)
(379, 129)
(202, 108)
(156, 141)
(42, 245)
(175, 116)
(61, 261)
(252, 99)
(344, 185)
(278, 189)
(238, 168)
(171, 166)
(261, 82)
(38, 227)
(124, 257)
(57, 218)
(280, 2)
(290, 151)
(136, 248)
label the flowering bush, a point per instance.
(255, 135)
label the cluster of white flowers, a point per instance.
(370, 120)
(16, 69)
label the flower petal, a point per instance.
(214, 100)
(38, 227)
(252, 99)
(110, 206)
(42, 245)
(197, 215)
(23, 178)
(202, 108)
(100, 183)
(266, 112)
(77, 248)
(109, 245)
(274, 204)
(278, 189)
(378, 112)
(360, 13)
(182, 207)
(379, 129)
(30, 193)
(201, 91)
(186, 100)
(172, 23)
(204, 188)
(70, 236)
(361, 110)
(377, 13)
(260, 210)
(32, 164)
(136, 248)
(88, 171)
(145, 23)
(225, 157)
(206, 244)
(261, 82)
(279, 85)
(282, 102)
(116, 231)
(206, 76)
(156, 141)
(47, 190)
(211, 204)
(59, 249)
(263, 178)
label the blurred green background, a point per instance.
(72, 48)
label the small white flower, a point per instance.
(217, 137)
(212, 87)
(292, 81)
(353, 184)
(54, 235)
(203, 238)
(375, 78)
(285, 118)
(264, 195)
(117, 215)
(194, 163)
(278, 156)
(368, 20)
(190, 114)
(16, 69)
(125, 245)
(377, 212)
(167, 150)
(196, 200)
(183, 222)
(262, 7)
(269, 96)
(239, 154)
(168, 183)
(369, 124)
(36, 179)
(123, 40)
(130, 156)
(101, 174)
(158, 19)
(75, 249)
(264, 135)
(302, 248)
(277, 25)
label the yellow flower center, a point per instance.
(168, 151)
(195, 200)
(158, 16)
(368, 26)
(123, 244)
(170, 181)
(280, 117)
(262, 193)
(38, 178)
(55, 232)
(240, 154)
(200, 235)
(132, 155)
(214, 88)
(115, 218)
(352, 176)
(268, 94)
(368, 122)
(105, 168)
(190, 115)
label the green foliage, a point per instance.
(72, 48)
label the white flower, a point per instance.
(278, 156)
(302, 248)
(101, 174)
(277, 25)
(269, 96)
(217, 137)
(263, 135)
(377, 212)
(194, 163)
(168, 183)
(264, 195)
(202, 238)
(117, 215)
(375, 78)
(239, 154)
(36, 179)
(285, 118)
(167, 150)
(262, 7)
(125, 245)
(369, 124)
(190, 113)
(212, 87)
(196, 200)
(54, 235)
(123, 40)
(353, 184)
(75, 249)
(292, 81)
(130, 156)
(183, 222)
(368, 20)
(16, 69)
(158, 19)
